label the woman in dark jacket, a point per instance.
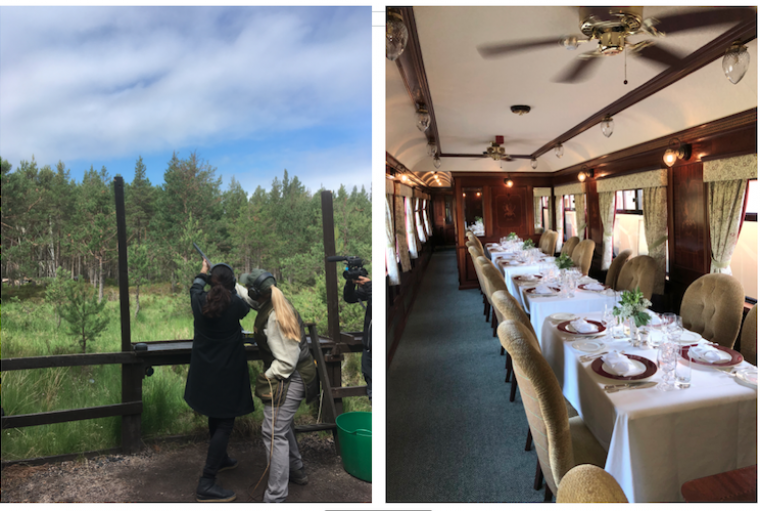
(218, 384)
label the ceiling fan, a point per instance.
(611, 27)
(496, 151)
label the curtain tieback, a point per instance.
(659, 242)
(718, 264)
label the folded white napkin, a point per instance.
(619, 364)
(595, 286)
(707, 353)
(543, 289)
(584, 327)
(549, 259)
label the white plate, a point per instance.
(747, 377)
(688, 337)
(562, 316)
(639, 367)
(573, 330)
(588, 346)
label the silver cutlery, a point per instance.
(629, 386)
(589, 358)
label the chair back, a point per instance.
(541, 240)
(582, 255)
(492, 277)
(617, 264)
(475, 240)
(548, 242)
(749, 337)
(588, 484)
(542, 398)
(713, 306)
(475, 254)
(508, 307)
(570, 245)
(640, 272)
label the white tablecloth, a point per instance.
(657, 441)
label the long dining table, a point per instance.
(658, 440)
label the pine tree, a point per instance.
(83, 313)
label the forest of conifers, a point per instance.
(49, 221)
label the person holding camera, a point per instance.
(363, 293)
(218, 384)
(289, 376)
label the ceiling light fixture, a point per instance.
(437, 162)
(608, 126)
(533, 163)
(431, 149)
(423, 118)
(508, 182)
(396, 34)
(585, 173)
(559, 150)
(676, 151)
(520, 109)
(736, 62)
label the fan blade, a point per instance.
(579, 71)
(660, 55)
(703, 18)
(498, 50)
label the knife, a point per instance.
(629, 386)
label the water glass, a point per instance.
(667, 357)
(683, 372)
(609, 320)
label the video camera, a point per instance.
(354, 266)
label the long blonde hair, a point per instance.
(286, 315)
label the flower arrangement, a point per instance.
(528, 244)
(511, 236)
(633, 305)
(564, 262)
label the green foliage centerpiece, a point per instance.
(528, 244)
(633, 305)
(511, 236)
(564, 262)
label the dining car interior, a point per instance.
(571, 254)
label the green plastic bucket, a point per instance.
(355, 437)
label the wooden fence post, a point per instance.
(131, 374)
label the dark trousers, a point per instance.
(219, 432)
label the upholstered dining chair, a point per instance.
(494, 281)
(749, 337)
(561, 443)
(475, 240)
(509, 308)
(640, 272)
(614, 271)
(548, 242)
(570, 245)
(474, 253)
(589, 484)
(712, 307)
(582, 255)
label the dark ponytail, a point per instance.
(222, 283)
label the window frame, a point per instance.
(750, 217)
(638, 198)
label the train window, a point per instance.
(569, 216)
(753, 201)
(744, 261)
(629, 202)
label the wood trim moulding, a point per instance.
(502, 174)
(744, 32)
(648, 155)
(463, 155)
(412, 70)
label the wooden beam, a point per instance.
(79, 414)
(79, 359)
(331, 273)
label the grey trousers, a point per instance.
(285, 455)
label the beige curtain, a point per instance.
(655, 209)
(559, 210)
(400, 227)
(580, 214)
(725, 201)
(537, 214)
(607, 212)
(418, 220)
(411, 232)
(425, 217)
(391, 265)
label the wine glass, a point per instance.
(667, 358)
(609, 320)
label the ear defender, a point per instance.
(258, 282)
(226, 266)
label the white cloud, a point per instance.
(104, 82)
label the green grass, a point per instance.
(29, 328)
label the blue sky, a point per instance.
(252, 90)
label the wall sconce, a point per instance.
(477, 194)
(736, 62)
(676, 151)
(508, 182)
(396, 34)
(559, 150)
(585, 173)
(608, 126)
(423, 118)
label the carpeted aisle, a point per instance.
(452, 434)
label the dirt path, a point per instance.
(170, 472)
